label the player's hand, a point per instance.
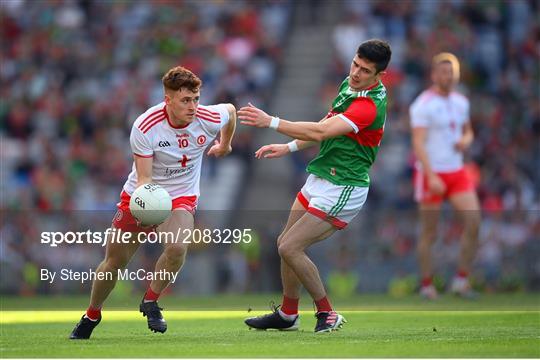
(253, 116)
(272, 151)
(436, 185)
(219, 150)
(463, 144)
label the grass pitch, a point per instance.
(378, 326)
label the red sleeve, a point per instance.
(361, 112)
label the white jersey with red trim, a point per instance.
(444, 118)
(177, 152)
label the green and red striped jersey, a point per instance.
(346, 159)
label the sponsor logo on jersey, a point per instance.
(201, 140)
(341, 101)
(382, 94)
(164, 144)
(177, 172)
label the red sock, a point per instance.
(151, 295)
(93, 314)
(323, 305)
(289, 306)
(462, 274)
(427, 281)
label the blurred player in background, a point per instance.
(337, 187)
(441, 133)
(168, 142)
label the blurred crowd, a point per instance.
(75, 75)
(498, 44)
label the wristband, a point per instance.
(292, 146)
(274, 123)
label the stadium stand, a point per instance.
(75, 74)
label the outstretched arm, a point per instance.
(301, 130)
(279, 150)
(224, 146)
(304, 144)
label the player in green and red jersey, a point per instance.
(337, 186)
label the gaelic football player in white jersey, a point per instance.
(441, 133)
(168, 142)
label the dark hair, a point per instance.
(375, 51)
(180, 77)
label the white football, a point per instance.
(150, 204)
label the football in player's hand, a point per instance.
(150, 204)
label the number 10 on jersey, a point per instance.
(183, 143)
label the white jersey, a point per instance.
(443, 117)
(177, 152)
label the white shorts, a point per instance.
(336, 204)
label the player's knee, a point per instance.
(113, 264)
(427, 238)
(472, 221)
(286, 250)
(283, 251)
(280, 239)
(176, 251)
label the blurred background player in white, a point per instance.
(168, 142)
(441, 133)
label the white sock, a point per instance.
(287, 317)
(86, 316)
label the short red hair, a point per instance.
(179, 77)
